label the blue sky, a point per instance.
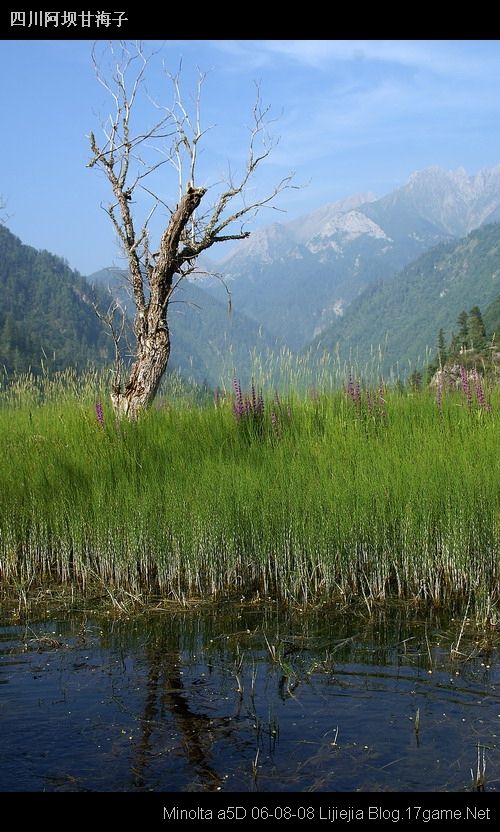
(352, 116)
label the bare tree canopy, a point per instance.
(136, 162)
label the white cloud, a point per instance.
(461, 59)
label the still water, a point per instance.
(246, 698)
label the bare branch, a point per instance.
(115, 328)
(134, 163)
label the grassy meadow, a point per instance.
(353, 493)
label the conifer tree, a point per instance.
(441, 346)
(476, 328)
(463, 323)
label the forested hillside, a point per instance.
(404, 314)
(46, 312)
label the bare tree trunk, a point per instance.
(144, 378)
(151, 327)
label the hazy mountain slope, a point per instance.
(298, 297)
(450, 201)
(297, 278)
(297, 284)
(491, 318)
(404, 314)
(208, 341)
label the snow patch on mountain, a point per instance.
(278, 241)
(348, 227)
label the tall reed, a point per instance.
(379, 495)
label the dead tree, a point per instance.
(133, 167)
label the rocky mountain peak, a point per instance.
(282, 239)
(296, 278)
(453, 200)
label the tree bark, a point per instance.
(144, 378)
(151, 326)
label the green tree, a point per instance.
(463, 332)
(476, 328)
(441, 345)
(46, 312)
(454, 347)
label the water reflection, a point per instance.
(246, 698)
(197, 732)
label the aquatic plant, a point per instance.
(188, 502)
(479, 778)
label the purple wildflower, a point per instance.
(239, 404)
(99, 414)
(254, 398)
(481, 398)
(350, 388)
(275, 423)
(354, 391)
(466, 386)
(369, 403)
(248, 409)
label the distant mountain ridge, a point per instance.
(281, 239)
(47, 317)
(455, 201)
(357, 273)
(297, 278)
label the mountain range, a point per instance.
(299, 278)
(349, 276)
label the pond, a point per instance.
(242, 697)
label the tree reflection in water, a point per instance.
(168, 699)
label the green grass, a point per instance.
(327, 503)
